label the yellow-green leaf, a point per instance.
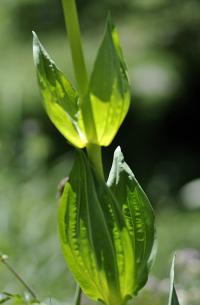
(106, 231)
(60, 99)
(94, 237)
(109, 87)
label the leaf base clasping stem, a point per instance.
(73, 29)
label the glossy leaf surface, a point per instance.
(103, 237)
(109, 87)
(173, 299)
(60, 99)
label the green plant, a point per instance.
(106, 228)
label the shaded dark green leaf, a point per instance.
(106, 231)
(138, 215)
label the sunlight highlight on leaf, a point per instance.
(109, 87)
(106, 231)
(61, 101)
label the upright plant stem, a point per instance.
(73, 29)
(94, 155)
(3, 259)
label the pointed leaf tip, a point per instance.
(59, 97)
(34, 35)
(173, 298)
(118, 150)
(109, 20)
(35, 49)
(109, 86)
(118, 154)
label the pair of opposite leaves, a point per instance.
(106, 231)
(111, 264)
(108, 94)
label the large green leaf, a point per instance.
(138, 215)
(173, 299)
(109, 87)
(102, 110)
(106, 234)
(61, 101)
(94, 237)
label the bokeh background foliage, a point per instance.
(159, 138)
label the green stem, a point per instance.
(77, 299)
(94, 155)
(73, 29)
(3, 259)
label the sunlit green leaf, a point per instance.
(94, 237)
(106, 235)
(61, 101)
(138, 215)
(109, 87)
(173, 299)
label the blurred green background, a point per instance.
(159, 138)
